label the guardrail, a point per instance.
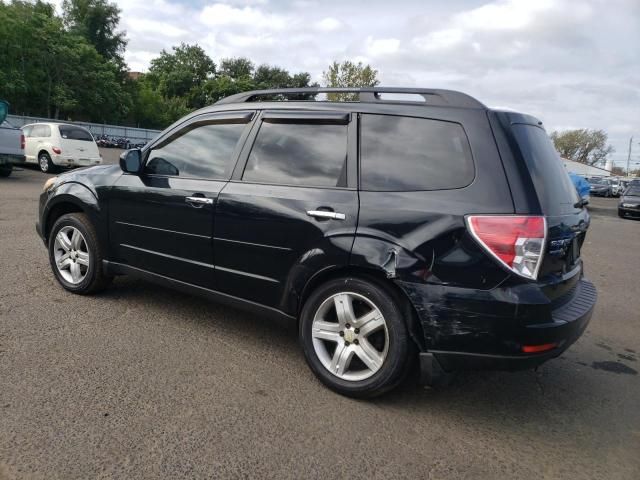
(135, 135)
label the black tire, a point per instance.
(5, 170)
(94, 279)
(396, 362)
(45, 163)
(620, 213)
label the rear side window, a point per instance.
(201, 151)
(41, 131)
(75, 133)
(554, 188)
(299, 154)
(405, 154)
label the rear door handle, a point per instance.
(198, 202)
(326, 215)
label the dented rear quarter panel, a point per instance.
(420, 240)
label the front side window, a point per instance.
(70, 132)
(299, 154)
(408, 154)
(202, 151)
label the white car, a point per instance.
(617, 187)
(53, 145)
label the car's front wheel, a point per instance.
(75, 254)
(354, 337)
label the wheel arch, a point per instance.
(377, 277)
(70, 198)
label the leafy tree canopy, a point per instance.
(96, 21)
(349, 74)
(582, 145)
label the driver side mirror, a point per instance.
(131, 161)
(4, 110)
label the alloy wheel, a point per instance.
(71, 255)
(350, 336)
(44, 163)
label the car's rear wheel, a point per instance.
(45, 163)
(354, 337)
(75, 254)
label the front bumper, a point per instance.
(629, 211)
(463, 334)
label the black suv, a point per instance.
(390, 227)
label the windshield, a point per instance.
(597, 181)
(75, 133)
(633, 191)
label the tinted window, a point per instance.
(555, 190)
(75, 133)
(204, 151)
(403, 154)
(299, 154)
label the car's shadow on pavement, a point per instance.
(560, 387)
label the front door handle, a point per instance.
(199, 202)
(326, 215)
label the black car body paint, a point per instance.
(256, 245)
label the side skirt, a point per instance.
(115, 268)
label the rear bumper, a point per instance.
(63, 161)
(10, 159)
(470, 340)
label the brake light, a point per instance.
(56, 150)
(22, 142)
(516, 241)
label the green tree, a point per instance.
(236, 68)
(182, 73)
(582, 145)
(349, 74)
(46, 70)
(97, 21)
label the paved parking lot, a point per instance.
(143, 382)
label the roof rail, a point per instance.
(440, 97)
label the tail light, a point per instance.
(516, 241)
(56, 150)
(22, 142)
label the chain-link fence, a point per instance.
(135, 135)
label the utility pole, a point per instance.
(629, 155)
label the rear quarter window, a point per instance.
(41, 131)
(554, 188)
(75, 133)
(411, 154)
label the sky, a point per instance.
(571, 63)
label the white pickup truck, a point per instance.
(11, 143)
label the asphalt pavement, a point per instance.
(144, 382)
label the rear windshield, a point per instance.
(555, 189)
(75, 133)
